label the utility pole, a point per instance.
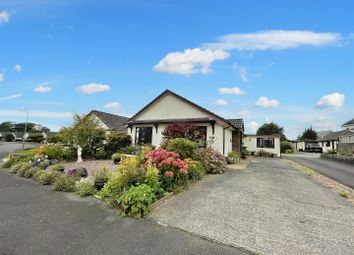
(23, 137)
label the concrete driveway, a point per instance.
(269, 208)
(341, 172)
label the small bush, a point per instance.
(343, 194)
(58, 168)
(195, 169)
(14, 168)
(129, 173)
(48, 177)
(233, 157)
(212, 161)
(152, 179)
(102, 174)
(184, 147)
(44, 164)
(22, 170)
(117, 158)
(78, 173)
(263, 153)
(285, 147)
(31, 172)
(117, 141)
(55, 151)
(38, 174)
(131, 149)
(19, 157)
(84, 189)
(36, 137)
(136, 201)
(53, 139)
(9, 137)
(64, 183)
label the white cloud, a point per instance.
(37, 114)
(114, 106)
(10, 97)
(267, 103)
(331, 100)
(231, 91)
(43, 89)
(1, 77)
(243, 113)
(242, 71)
(18, 68)
(274, 40)
(243, 74)
(92, 88)
(190, 61)
(4, 17)
(221, 102)
(252, 127)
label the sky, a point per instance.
(291, 62)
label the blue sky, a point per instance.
(291, 62)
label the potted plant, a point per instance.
(117, 158)
(101, 177)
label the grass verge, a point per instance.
(340, 189)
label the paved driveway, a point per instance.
(269, 208)
(341, 172)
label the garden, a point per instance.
(126, 177)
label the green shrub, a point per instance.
(38, 174)
(55, 151)
(36, 137)
(285, 147)
(195, 169)
(184, 147)
(131, 149)
(48, 177)
(9, 137)
(84, 189)
(44, 164)
(64, 183)
(233, 157)
(58, 168)
(117, 141)
(212, 161)
(53, 139)
(152, 179)
(117, 158)
(22, 170)
(15, 167)
(31, 172)
(129, 173)
(102, 174)
(136, 201)
(266, 154)
(101, 154)
(19, 157)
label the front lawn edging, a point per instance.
(339, 158)
(162, 200)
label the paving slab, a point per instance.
(269, 208)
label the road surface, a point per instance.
(341, 172)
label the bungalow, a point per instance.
(330, 141)
(267, 143)
(147, 126)
(109, 122)
(346, 139)
(349, 125)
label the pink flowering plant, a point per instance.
(173, 171)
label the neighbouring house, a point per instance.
(346, 139)
(146, 126)
(268, 143)
(109, 122)
(349, 125)
(330, 141)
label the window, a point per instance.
(143, 135)
(265, 142)
(328, 144)
(202, 130)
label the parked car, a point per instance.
(312, 147)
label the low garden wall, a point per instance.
(339, 158)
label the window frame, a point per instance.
(138, 138)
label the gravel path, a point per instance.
(269, 208)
